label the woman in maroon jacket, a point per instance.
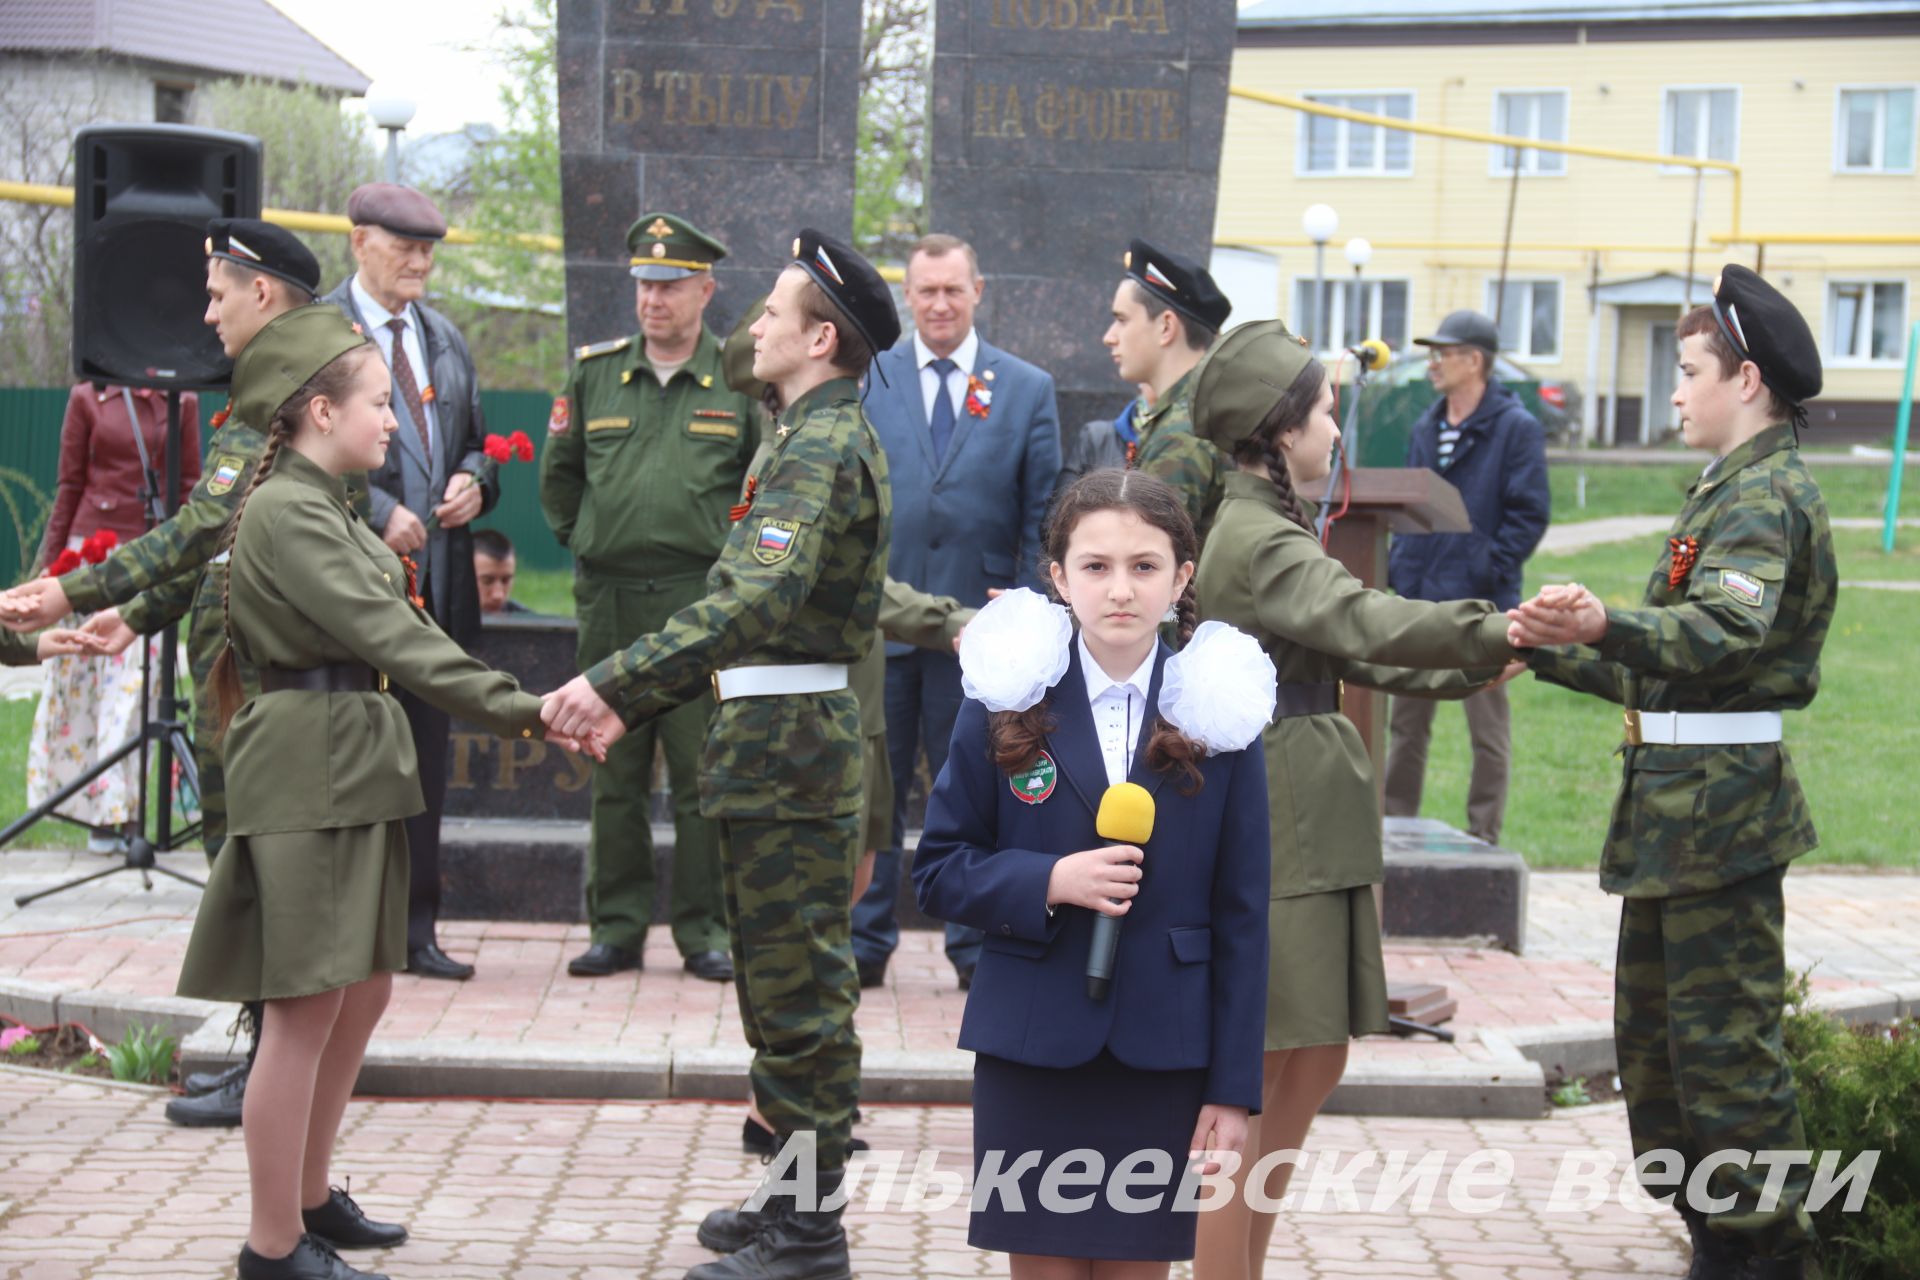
(92, 704)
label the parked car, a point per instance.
(1393, 400)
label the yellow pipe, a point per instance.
(1831, 238)
(1301, 242)
(292, 219)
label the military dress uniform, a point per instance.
(637, 479)
(1167, 448)
(1269, 576)
(795, 595)
(1710, 810)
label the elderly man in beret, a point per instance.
(430, 474)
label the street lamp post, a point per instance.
(1359, 253)
(1319, 222)
(391, 111)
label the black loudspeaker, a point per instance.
(142, 196)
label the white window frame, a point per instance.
(1840, 165)
(1833, 359)
(1497, 168)
(1666, 126)
(1300, 169)
(1342, 286)
(1530, 356)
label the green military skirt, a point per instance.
(1326, 979)
(300, 912)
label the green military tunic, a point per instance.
(1266, 575)
(799, 581)
(312, 894)
(637, 480)
(171, 570)
(1169, 450)
(1700, 835)
(18, 650)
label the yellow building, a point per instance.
(1814, 100)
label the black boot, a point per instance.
(217, 1110)
(311, 1259)
(207, 1081)
(1715, 1256)
(795, 1244)
(1793, 1267)
(342, 1223)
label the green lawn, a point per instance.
(545, 590)
(1851, 747)
(1627, 490)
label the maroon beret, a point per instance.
(401, 210)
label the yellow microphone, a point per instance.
(1125, 817)
(1373, 354)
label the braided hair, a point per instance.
(1014, 738)
(333, 380)
(1262, 446)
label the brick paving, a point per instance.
(94, 1183)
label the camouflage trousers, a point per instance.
(1699, 985)
(787, 886)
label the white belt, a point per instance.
(1702, 728)
(762, 682)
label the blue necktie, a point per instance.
(940, 423)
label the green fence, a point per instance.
(30, 466)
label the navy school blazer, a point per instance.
(1189, 984)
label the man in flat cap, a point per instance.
(1710, 810)
(647, 448)
(1166, 313)
(256, 273)
(429, 474)
(792, 603)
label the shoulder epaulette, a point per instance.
(593, 349)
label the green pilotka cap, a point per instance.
(1243, 377)
(289, 350)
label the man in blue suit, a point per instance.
(972, 437)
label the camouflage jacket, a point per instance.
(1168, 450)
(799, 581)
(1736, 624)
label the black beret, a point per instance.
(401, 210)
(1181, 284)
(851, 283)
(262, 246)
(1768, 330)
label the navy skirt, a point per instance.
(1106, 1107)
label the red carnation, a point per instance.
(66, 562)
(96, 547)
(497, 448)
(522, 446)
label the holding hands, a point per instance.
(1100, 880)
(575, 713)
(113, 636)
(33, 605)
(1565, 613)
(60, 643)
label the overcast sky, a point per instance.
(417, 46)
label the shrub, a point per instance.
(143, 1056)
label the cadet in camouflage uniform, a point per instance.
(1709, 810)
(1166, 312)
(256, 273)
(795, 593)
(646, 451)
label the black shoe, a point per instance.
(311, 1259)
(966, 977)
(431, 962)
(710, 966)
(204, 1082)
(342, 1223)
(1715, 1256)
(1790, 1268)
(758, 1140)
(601, 960)
(731, 1230)
(873, 973)
(789, 1244)
(217, 1110)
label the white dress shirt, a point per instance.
(413, 343)
(1119, 709)
(964, 356)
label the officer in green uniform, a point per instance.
(646, 452)
(256, 273)
(791, 604)
(1710, 810)
(1166, 312)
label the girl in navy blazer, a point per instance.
(1099, 1102)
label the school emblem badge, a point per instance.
(226, 473)
(775, 540)
(1036, 782)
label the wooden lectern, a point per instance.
(1404, 500)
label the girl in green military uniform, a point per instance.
(306, 910)
(1263, 570)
